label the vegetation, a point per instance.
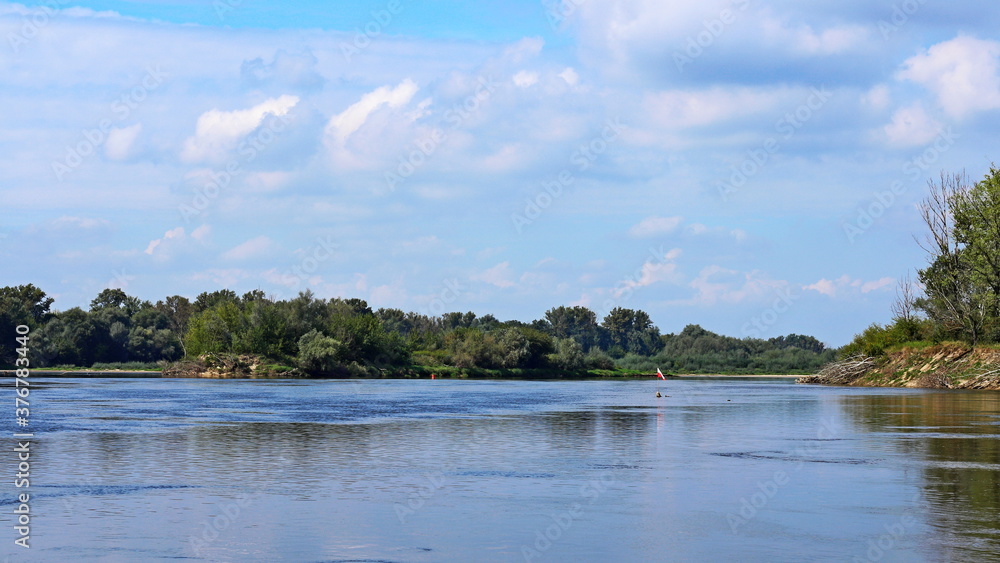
(259, 336)
(960, 300)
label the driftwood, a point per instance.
(989, 379)
(844, 372)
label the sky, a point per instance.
(752, 166)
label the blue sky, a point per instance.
(748, 165)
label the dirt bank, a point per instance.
(941, 366)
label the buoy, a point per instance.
(432, 376)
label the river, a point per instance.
(415, 471)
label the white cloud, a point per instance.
(500, 275)
(655, 226)
(201, 233)
(175, 233)
(652, 271)
(525, 79)
(911, 126)
(878, 98)
(716, 284)
(344, 124)
(963, 72)
(876, 285)
(118, 145)
(837, 287)
(803, 40)
(218, 132)
(253, 248)
(693, 108)
(66, 221)
(570, 76)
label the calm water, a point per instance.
(748, 470)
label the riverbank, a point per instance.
(188, 370)
(948, 365)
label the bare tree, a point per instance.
(906, 299)
(953, 298)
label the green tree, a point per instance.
(22, 305)
(319, 354)
(631, 331)
(568, 355)
(578, 323)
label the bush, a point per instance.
(318, 353)
(876, 339)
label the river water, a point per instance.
(716, 470)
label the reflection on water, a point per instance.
(415, 471)
(954, 439)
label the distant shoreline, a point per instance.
(126, 374)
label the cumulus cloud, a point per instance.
(693, 108)
(118, 145)
(716, 284)
(342, 125)
(911, 126)
(805, 40)
(845, 283)
(176, 233)
(218, 132)
(500, 275)
(963, 72)
(256, 247)
(660, 269)
(655, 226)
(525, 79)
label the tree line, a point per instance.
(956, 296)
(330, 337)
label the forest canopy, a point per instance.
(345, 337)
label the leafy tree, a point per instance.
(118, 299)
(206, 300)
(22, 305)
(319, 354)
(578, 323)
(631, 331)
(71, 338)
(568, 355)
(963, 278)
(178, 310)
